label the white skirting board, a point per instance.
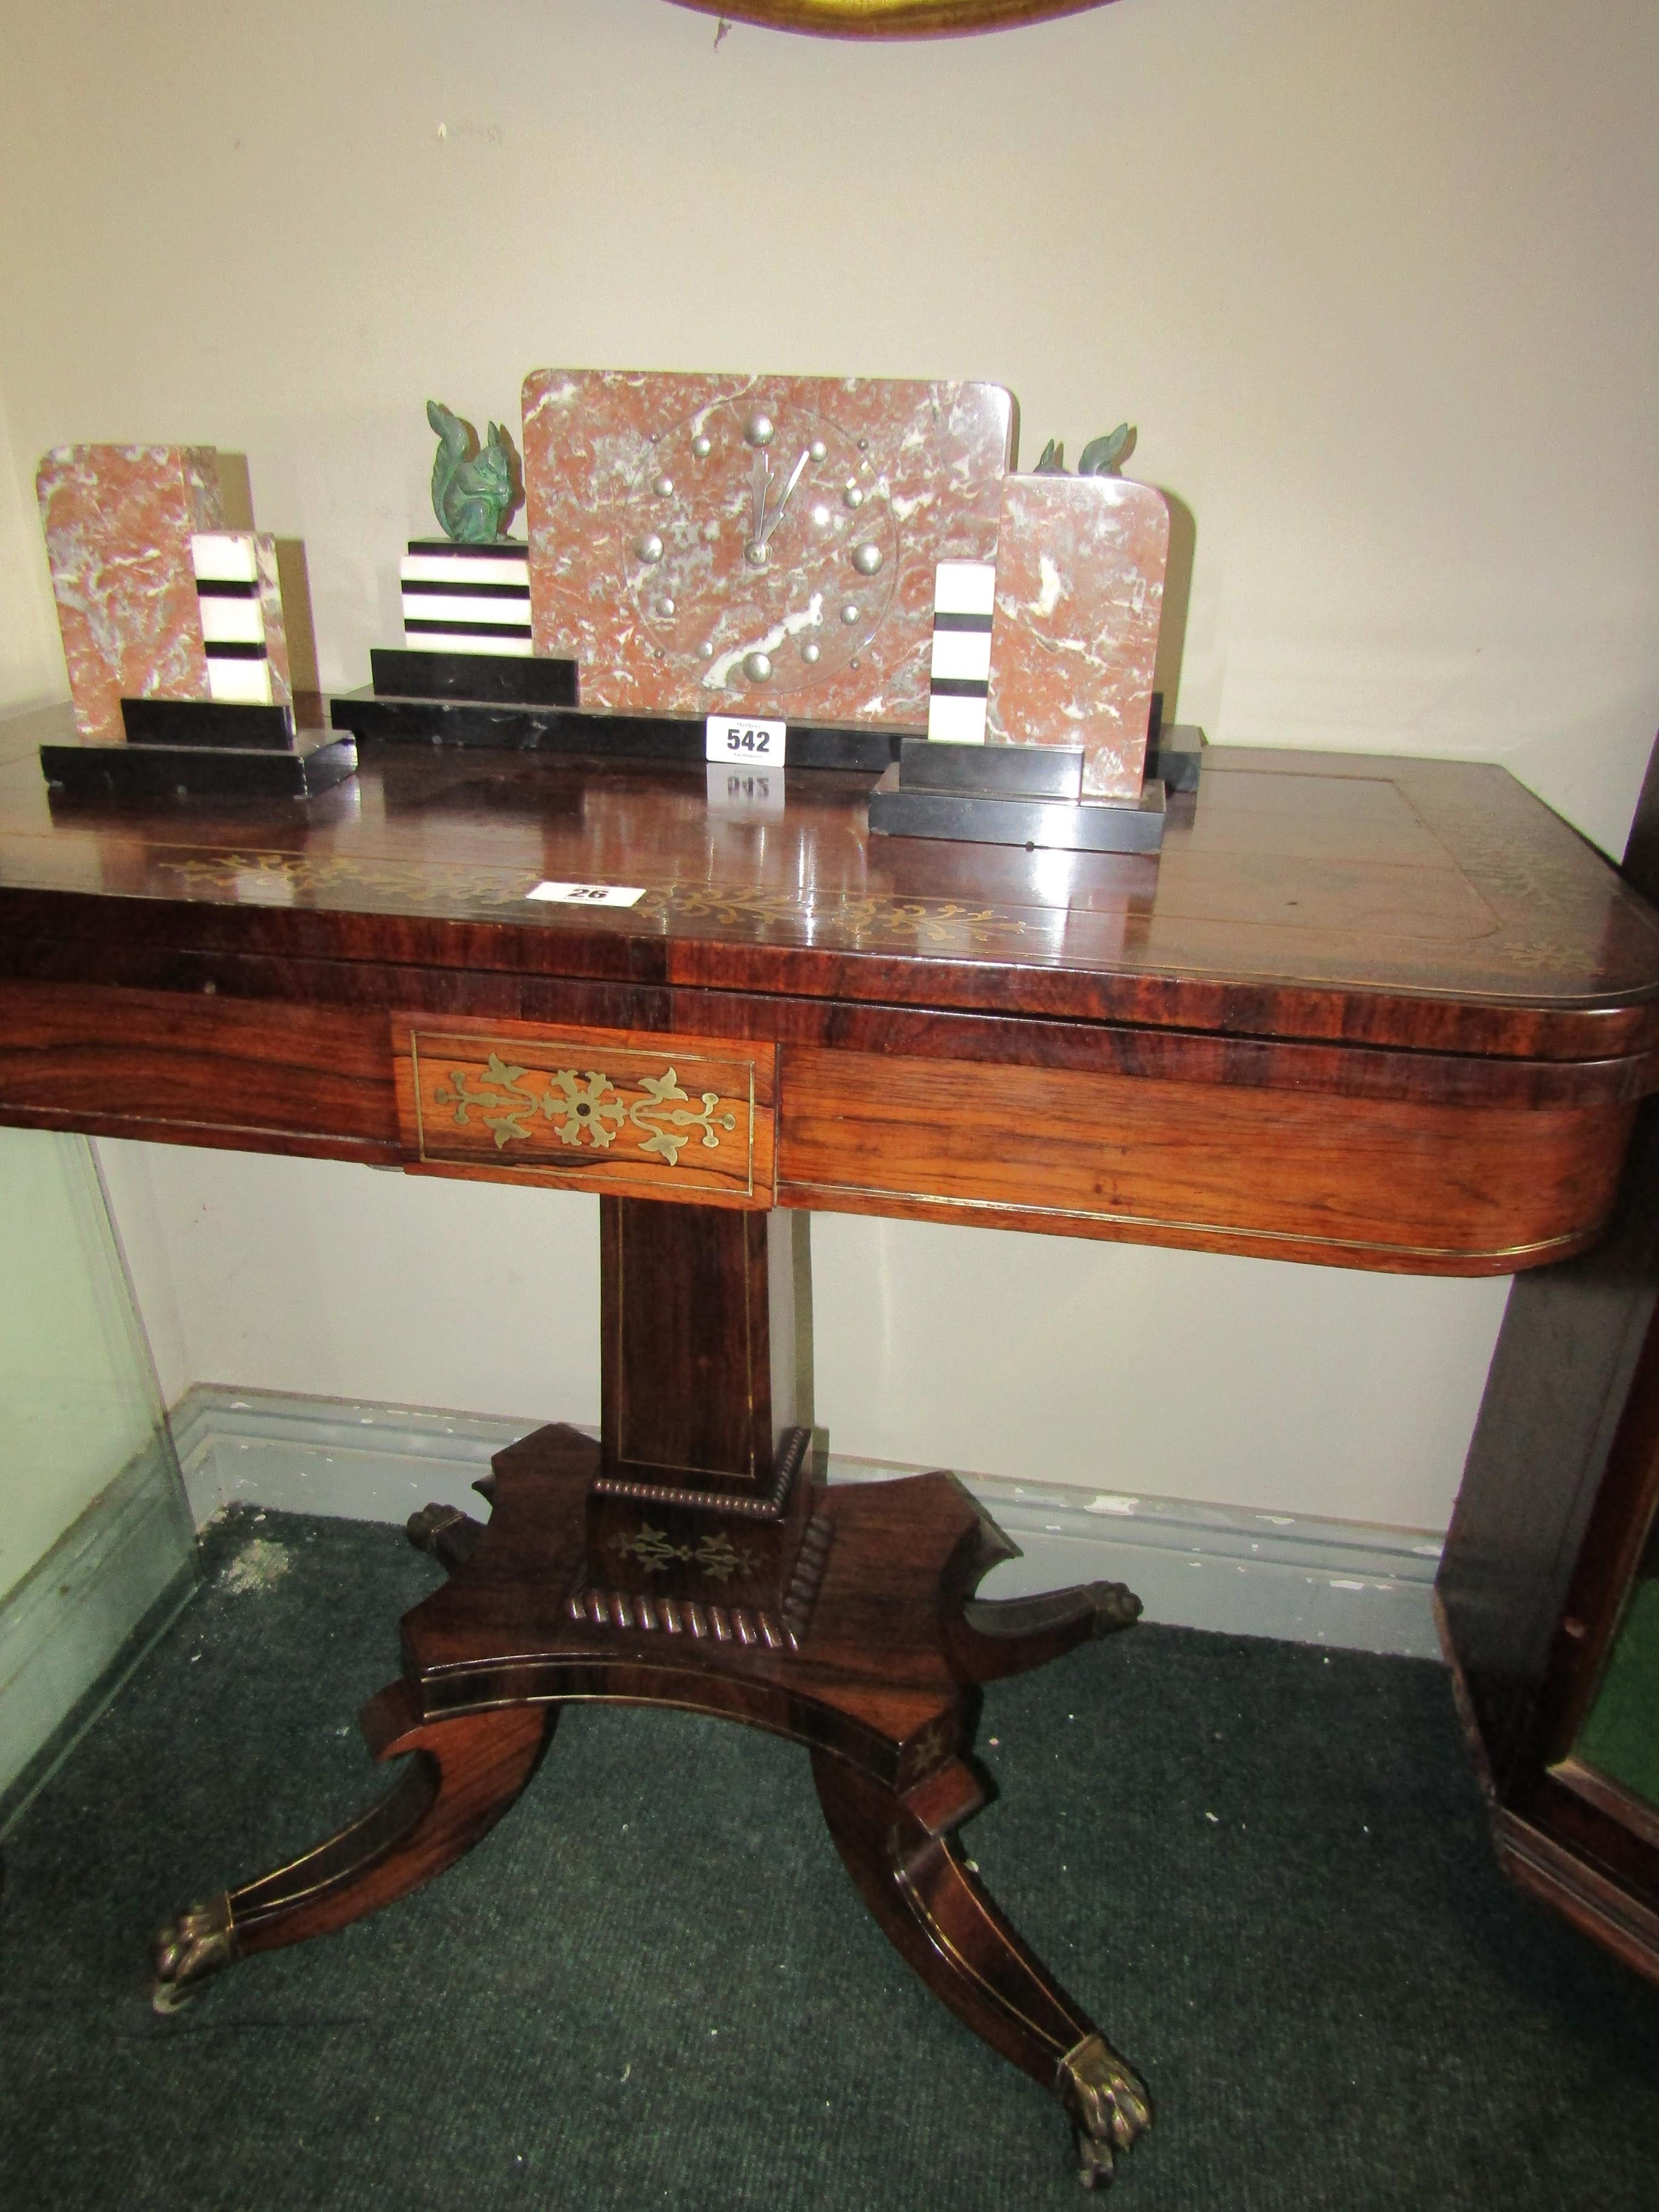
(85, 1614)
(1338, 1582)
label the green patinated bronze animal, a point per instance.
(472, 484)
(1101, 457)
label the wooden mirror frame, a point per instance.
(889, 19)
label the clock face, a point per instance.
(702, 542)
(765, 551)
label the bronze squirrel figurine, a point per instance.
(472, 484)
(1101, 457)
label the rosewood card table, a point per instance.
(1371, 1012)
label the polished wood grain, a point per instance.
(1344, 1181)
(697, 1352)
(194, 1066)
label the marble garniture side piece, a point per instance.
(693, 623)
(466, 596)
(1079, 590)
(240, 603)
(118, 521)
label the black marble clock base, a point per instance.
(311, 762)
(501, 680)
(556, 729)
(994, 794)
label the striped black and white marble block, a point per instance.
(467, 598)
(240, 603)
(959, 678)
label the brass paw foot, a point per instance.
(1107, 2105)
(1115, 1606)
(197, 1943)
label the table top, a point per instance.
(1431, 907)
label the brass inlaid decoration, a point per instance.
(718, 1556)
(928, 1751)
(585, 1108)
(622, 1110)
(851, 920)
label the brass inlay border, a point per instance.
(942, 1942)
(1190, 1228)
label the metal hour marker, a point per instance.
(664, 606)
(849, 613)
(662, 486)
(818, 450)
(809, 654)
(705, 651)
(866, 559)
(757, 667)
(853, 496)
(648, 548)
(703, 445)
(760, 429)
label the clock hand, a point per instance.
(769, 523)
(758, 477)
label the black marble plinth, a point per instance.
(999, 771)
(592, 731)
(1177, 756)
(992, 817)
(198, 722)
(152, 771)
(497, 678)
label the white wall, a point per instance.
(1375, 280)
(77, 1399)
(1044, 1359)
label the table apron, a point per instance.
(1376, 1183)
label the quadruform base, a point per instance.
(877, 1673)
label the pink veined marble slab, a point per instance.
(1079, 590)
(119, 521)
(645, 514)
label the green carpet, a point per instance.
(1263, 1868)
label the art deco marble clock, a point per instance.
(700, 542)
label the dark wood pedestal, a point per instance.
(688, 1558)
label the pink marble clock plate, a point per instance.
(705, 542)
